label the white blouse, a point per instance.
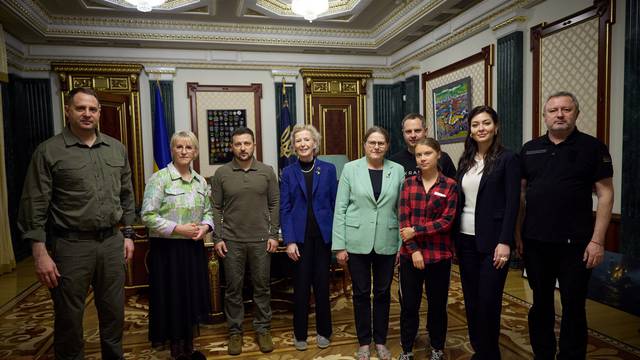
(470, 185)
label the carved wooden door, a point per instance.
(336, 119)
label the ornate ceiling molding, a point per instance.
(458, 35)
(168, 5)
(25, 60)
(281, 8)
(140, 29)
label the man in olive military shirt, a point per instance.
(78, 188)
(246, 207)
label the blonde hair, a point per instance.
(312, 130)
(184, 135)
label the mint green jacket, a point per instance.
(360, 223)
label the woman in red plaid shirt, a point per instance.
(427, 210)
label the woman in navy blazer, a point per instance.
(489, 182)
(307, 200)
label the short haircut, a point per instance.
(430, 142)
(312, 130)
(185, 135)
(241, 131)
(412, 116)
(377, 129)
(574, 99)
(84, 90)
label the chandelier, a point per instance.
(309, 9)
(145, 5)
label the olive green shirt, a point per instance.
(246, 204)
(76, 187)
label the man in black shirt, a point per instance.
(559, 240)
(414, 128)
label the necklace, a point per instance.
(310, 169)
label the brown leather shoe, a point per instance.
(265, 342)
(235, 344)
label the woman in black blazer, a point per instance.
(489, 182)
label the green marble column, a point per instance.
(630, 204)
(510, 89)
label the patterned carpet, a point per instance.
(26, 331)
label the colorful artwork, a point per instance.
(451, 104)
(220, 125)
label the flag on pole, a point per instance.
(285, 125)
(161, 151)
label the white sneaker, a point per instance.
(437, 354)
(405, 356)
(300, 345)
(322, 342)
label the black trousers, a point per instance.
(482, 286)
(312, 270)
(362, 266)
(546, 262)
(435, 278)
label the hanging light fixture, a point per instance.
(309, 9)
(145, 5)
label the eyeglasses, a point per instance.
(373, 144)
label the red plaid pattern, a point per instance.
(431, 215)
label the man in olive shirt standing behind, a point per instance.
(246, 206)
(79, 185)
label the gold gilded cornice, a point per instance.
(136, 23)
(93, 68)
(93, 34)
(509, 22)
(336, 73)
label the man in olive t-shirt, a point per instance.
(78, 186)
(246, 206)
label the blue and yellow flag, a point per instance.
(161, 150)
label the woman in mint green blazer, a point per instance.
(366, 236)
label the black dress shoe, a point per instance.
(197, 355)
(182, 357)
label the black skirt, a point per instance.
(178, 289)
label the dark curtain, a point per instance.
(388, 111)
(166, 90)
(391, 103)
(630, 204)
(510, 89)
(412, 93)
(28, 120)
